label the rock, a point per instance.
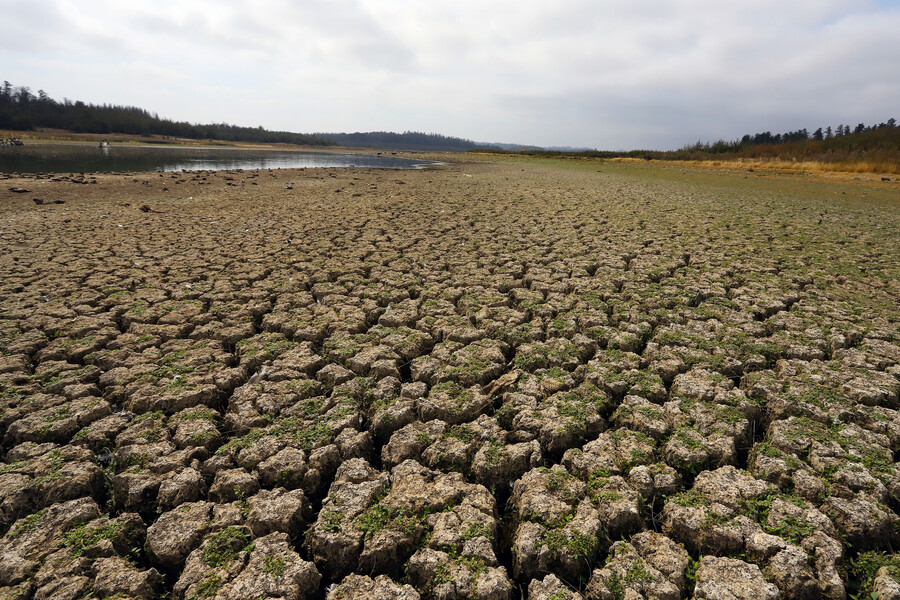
(137, 489)
(546, 495)
(701, 384)
(565, 419)
(100, 434)
(654, 481)
(42, 474)
(613, 452)
(59, 423)
(763, 546)
(196, 432)
(732, 579)
(557, 527)
(639, 414)
(104, 537)
(452, 403)
(373, 521)
(618, 505)
(705, 527)
(333, 374)
(287, 468)
(784, 514)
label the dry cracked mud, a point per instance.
(489, 380)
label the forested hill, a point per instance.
(410, 140)
(21, 110)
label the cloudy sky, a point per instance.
(596, 73)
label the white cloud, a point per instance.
(647, 73)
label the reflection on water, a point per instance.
(83, 158)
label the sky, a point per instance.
(612, 75)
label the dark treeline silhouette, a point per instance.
(21, 110)
(410, 140)
(841, 137)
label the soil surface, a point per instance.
(495, 379)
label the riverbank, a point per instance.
(498, 373)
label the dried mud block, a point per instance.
(732, 579)
(650, 566)
(116, 576)
(277, 510)
(32, 538)
(38, 475)
(562, 421)
(373, 521)
(557, 528)
(178, 532)
(363, 587)
(231, 564)
(452, 403)
(551, 587)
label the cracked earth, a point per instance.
(485, 380)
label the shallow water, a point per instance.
(85, 158)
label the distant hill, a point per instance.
(409, 140)
(415, 141)
(510, 147)
(569, 149)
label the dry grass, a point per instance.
(877, 167)
(840, 169)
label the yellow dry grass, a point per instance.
(875, 167)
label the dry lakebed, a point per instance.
(493, 379)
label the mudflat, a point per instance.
(497, 378)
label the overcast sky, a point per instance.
(602, 74)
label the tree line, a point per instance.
(21, 110)
(409, 140)
(865, 148)
(833, 136)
